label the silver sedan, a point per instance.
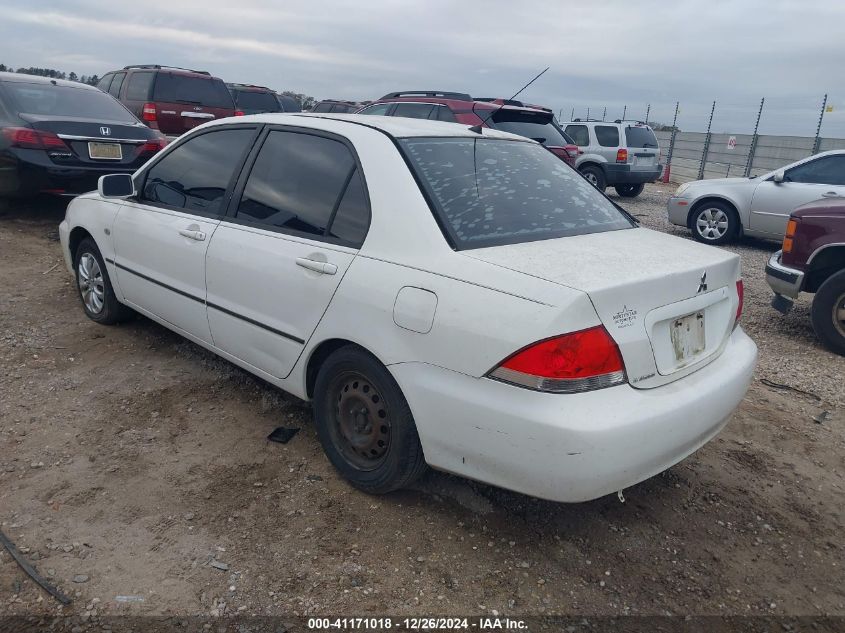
(719, 210)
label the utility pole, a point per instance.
(753, 148)
(706, 144)
(817, 142)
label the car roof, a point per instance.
(397, 127)
(37, 79)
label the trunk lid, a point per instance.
(669, 303)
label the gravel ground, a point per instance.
(135, 474)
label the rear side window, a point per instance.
(442, 113)
(379, 108)
(607, 135)
(640, 136)
(196, 175)
(202, 91)
(138, 88)
(579, 133)
(300, 182)
(413, 110)
(490, 192)
(322, 107)
(343, 108)
(116, 84)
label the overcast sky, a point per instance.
(602, 54)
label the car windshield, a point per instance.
(489, 192)
(208, 92)
(50, 100)
(253, 102)
(540, 128)
(640, 136)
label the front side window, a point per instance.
(489, 192)
(829, 170)
(105, 82)
(579, 133)
(116, 85)
(298, 184)
(607, 135)
(322, 107)
(413, 110)
(379, 108)
(442, 113)
(195, 175)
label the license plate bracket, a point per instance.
(688, 336)
(105, 151)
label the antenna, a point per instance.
(477, 128)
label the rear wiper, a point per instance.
(649, 145)
(187, 101)
(539, 139)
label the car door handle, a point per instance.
(312, 264)
(830, 194)
(199, 236)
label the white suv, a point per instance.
(624, 154)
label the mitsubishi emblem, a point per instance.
(105, 131)
(702, 286)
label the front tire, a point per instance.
(629, 191)
(595, 176)
(365, 424)
(828, 313)
(714, 223)
(95, 289)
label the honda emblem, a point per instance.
(105, 131)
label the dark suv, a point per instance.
(172, 100)
(813, 260)
(508, 115)
(336, 106)
(251, 99)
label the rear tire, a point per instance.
(629, 191)
(95, 289)
(714, 223)
(828, 313)
(595, 176)
(365, 424)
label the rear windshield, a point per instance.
(255, 102)
(540, 128)
(489, 192)
(50, 100)
(208, 92)
(640, 137)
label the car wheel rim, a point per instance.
(361, 429)
(91, 284)
(839, 315)
(592, 178)
(712, 224)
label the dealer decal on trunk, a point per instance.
(625, 317)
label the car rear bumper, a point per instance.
(31, 172)
(571, 447)
(783, 280)
(678, 210)
(623, 174)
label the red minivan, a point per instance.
(172, 100)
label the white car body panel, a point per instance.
(763, 206)
(440, 320)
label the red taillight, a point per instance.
(149, 112)
(622, 156)
(239, 113)
(740, 294)
(571, 363)
(27, 138)
(155, 145)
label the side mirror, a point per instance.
(778, 177)
(116, 186)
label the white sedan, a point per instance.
(444, 297)
(719, 210)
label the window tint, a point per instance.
(537, 127)
(254, 102)
(296, 182)
(413, 110)
(195, 175)
(352, 219)
(204, 91)
(344, 108)
(116, 84)
(579, 134)
(829, 170)
(640, 136)
(607, 135)
(105, 82)
(322, 107)
(379, 108)
(138, 88)
(66, 101)
(489, 192)
(442, 113)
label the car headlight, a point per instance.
(681, 189)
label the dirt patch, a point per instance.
(138, 461)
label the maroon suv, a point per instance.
(508, 115)
(172, 100)
(813, 260)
